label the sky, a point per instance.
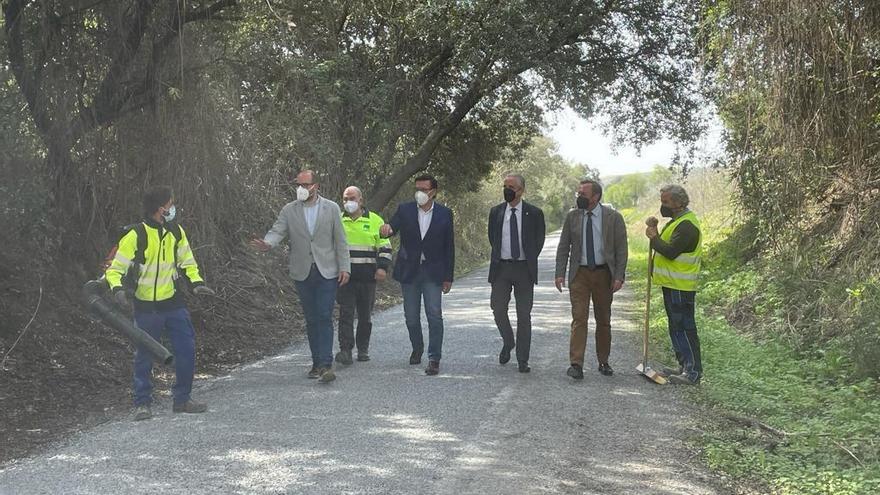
(580, 142)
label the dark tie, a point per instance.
(591, 250)
(514, 235)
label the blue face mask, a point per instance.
(169, 215)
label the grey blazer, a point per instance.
(327, 248)
(568, 253)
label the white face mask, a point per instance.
(302, 193)
(169, 215)
(351, 206)
(421, 198)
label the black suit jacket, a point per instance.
(532, 236)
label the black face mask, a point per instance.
(583, 203)
(509, 195)
(666, 211)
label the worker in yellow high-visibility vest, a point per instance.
(370, 259)
(677, 270)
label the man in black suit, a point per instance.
(516, 234)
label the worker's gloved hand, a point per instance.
(203, 290)
(121, 297)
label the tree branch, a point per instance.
(27, 82)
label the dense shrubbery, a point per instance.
(797, 86)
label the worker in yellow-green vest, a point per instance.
(370, 259)
(677, 271)
(154, 254)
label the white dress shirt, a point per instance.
(425, 221)
(505, 232)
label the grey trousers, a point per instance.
(356, 297)
(515, 276)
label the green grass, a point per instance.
(828, 428)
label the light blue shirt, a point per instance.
(311, 212)
(598, 244)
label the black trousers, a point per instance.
(356, 297)
(514, 276)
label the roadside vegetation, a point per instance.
(794, 416)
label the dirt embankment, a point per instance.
(68, 371)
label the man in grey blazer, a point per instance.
(593, 248)
(319, 263)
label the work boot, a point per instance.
(667, 371)
(326, 375)
(363, 356)
(433, 368)
(190, 406)
(344, 357)
(315, 372)
(142, 412)
(682, 379)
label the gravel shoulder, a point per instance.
(384, 427)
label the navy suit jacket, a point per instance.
(438, 246)
(533, 230)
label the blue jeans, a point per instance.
(180, 332)
(317, 295)
(432, 293)
(683, 330)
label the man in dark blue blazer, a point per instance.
(424, 267)
(516, 234)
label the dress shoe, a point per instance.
(504, 356)
(524, 367)
(363, 356)
(415, 357)
(433, 368)
(605, 369)
(344, 357)
(575, 371)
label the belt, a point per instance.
(603, 266)
(512, 261)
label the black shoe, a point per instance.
(363, 356)
(504, 356)
(344, 357)
(433, 368)
(576, 372)
(415, 357)
(524, 367)
(605, 369)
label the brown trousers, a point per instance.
(596, 285)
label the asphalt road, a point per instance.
(384, 427)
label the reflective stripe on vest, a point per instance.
(683, 272)
(364, 242)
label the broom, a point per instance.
(643, 367)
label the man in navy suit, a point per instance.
(425, 265)
(516, 234)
